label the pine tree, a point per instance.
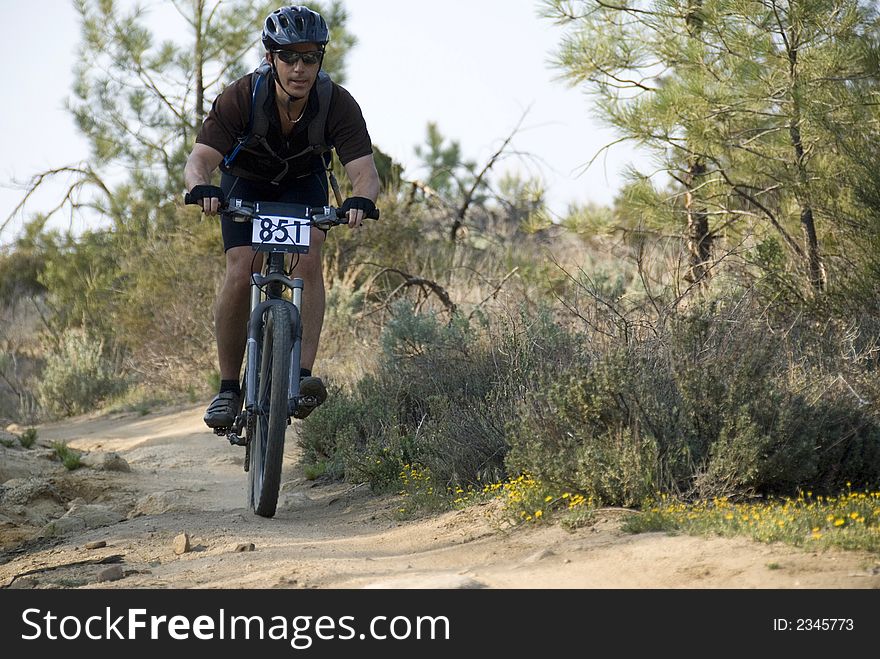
(745, 104)
(140, 101)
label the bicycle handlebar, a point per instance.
(329, 215)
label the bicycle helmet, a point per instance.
(292, 25)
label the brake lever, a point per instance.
(327, 219)
(239, 211)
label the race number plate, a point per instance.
(276, 233)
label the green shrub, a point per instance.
(78, 376)
(343, 427)
(69, 457)
(28, 437)
(576, 433)
(163, 322)
(710, 406)
(440, 398)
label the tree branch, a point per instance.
(469, 196)
(86, 172)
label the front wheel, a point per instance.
(267, 443)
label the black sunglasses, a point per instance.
(310, 58)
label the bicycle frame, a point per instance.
(275, 274)
(275, 281)
(267, 289)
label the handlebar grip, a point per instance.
(372, 215)
(200, 192)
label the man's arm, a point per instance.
(364, 184)
(200, 165)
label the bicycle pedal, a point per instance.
(300, 403)
(236, 440)
(221, 431)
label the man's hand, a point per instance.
(357, 208)
(209, 197)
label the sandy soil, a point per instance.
(100, 528)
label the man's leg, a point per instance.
(309, 268)
(231, 310)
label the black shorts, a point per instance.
(311, 190)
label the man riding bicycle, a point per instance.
(282, 166)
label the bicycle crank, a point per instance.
(233, 433)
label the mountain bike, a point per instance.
(270, 380)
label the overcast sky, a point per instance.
(472, 66)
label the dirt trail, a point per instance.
(183, 479)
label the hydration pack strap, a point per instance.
(318, 125)
(258, 122)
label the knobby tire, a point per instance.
(267, 446)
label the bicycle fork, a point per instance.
(254, 346)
